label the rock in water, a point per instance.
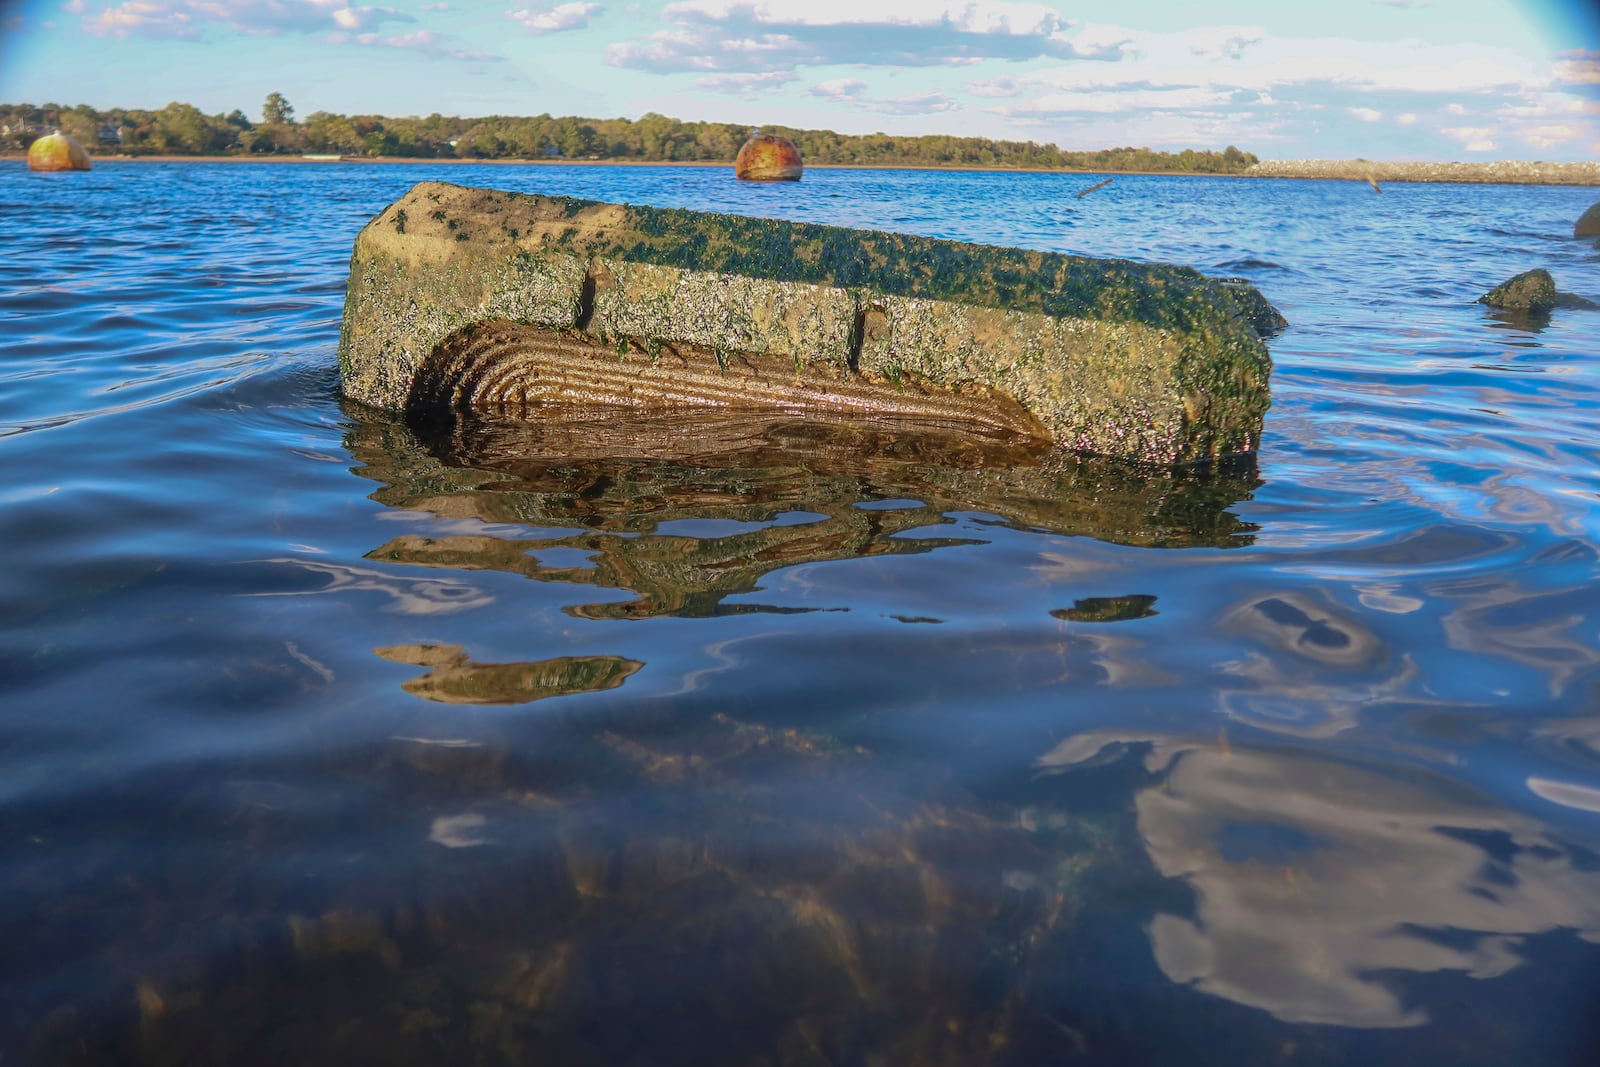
(1263, 318)
(1588, 224)
(1532, 290)
(57, 151)
(473, 298)
(767, 157)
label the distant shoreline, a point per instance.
(1503, 172)
(727, 165)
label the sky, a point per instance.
(1286, 79)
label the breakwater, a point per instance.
(1510, 172)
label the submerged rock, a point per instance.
(56, 151)
(1532, 290)
(766, 157)
(472, 298)
(1588, 224)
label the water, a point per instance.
(327, 739)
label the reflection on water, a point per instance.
(807, 744)
(1321, 888)
(768, 494)
(409, 596)
(455, 679)
(1109, 608)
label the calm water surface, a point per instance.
(329, 739)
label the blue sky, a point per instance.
(1380, 79)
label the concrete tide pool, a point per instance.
(338, 729)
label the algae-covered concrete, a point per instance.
(477, 298)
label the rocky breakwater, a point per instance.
(476, 299)
(1508, 172)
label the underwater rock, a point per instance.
(476, 299)
(1588, 224)
(56, 151)
(1532, 290)
(766, 157)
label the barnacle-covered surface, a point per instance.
(1148, 362)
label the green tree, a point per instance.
(276, 111)
(578, 140)
(327, 132)
(80, 124)
(182, 129)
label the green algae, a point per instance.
(1149, 362)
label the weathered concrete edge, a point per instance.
(1169, 372)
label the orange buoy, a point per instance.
(57, 151)
(767, 157)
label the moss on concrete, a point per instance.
(1150, 362)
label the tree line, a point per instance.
(183, 129)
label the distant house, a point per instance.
(110, 133)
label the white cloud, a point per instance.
(1111, 102)
(983, 16)
(840, 89)
(1550, 136)
(188, 18)
(1545, 105)
(424, 42)
(1278, 63)
(1223, 42)
(1179, 86)
(995, 88)
(853, 91)
(571, 16)
(746, 85)
(763, 35)
(136, 16)
(1579, 68)
(925, 103)
(1472, 138)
